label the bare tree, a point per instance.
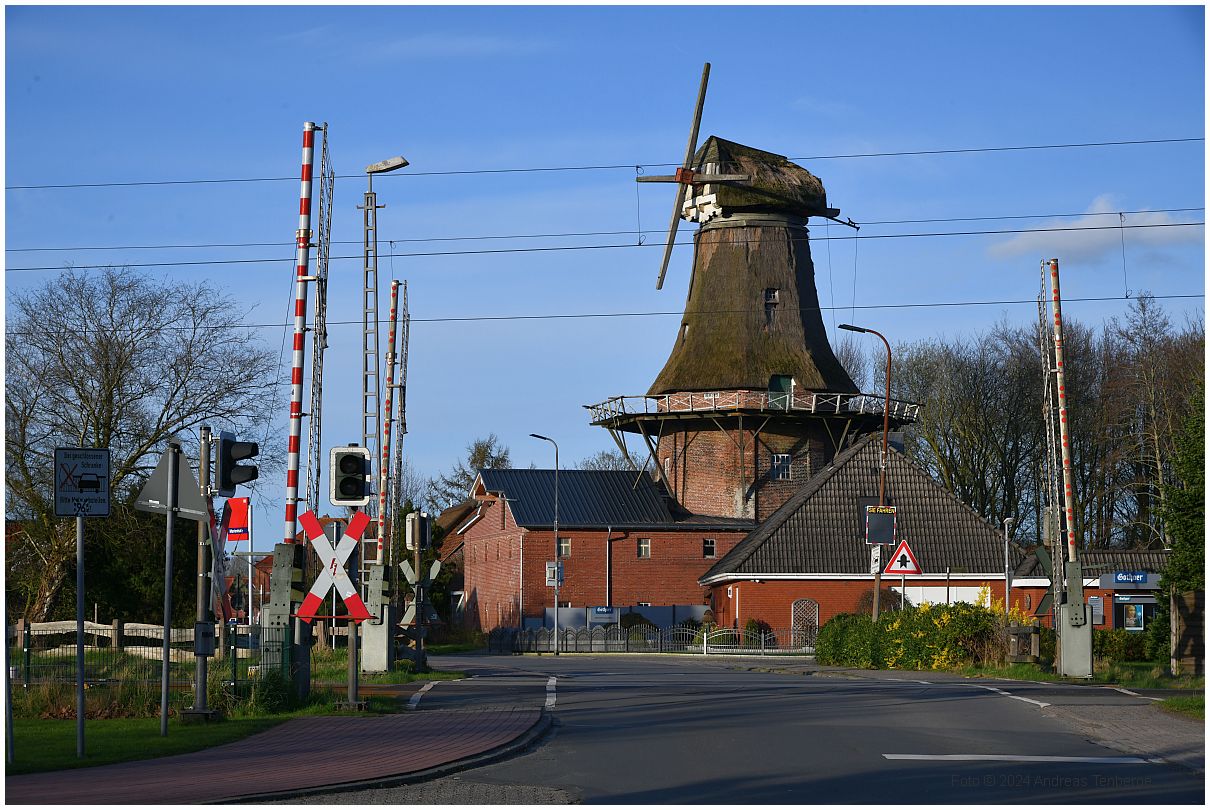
(608, 460)
(114, 359)
(455, 486)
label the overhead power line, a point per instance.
(679, 313)
(614, 166)
(571, 234)
(493, 251)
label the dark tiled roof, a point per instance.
(819, 530)
(453, 518)
(1102, 561)
(594, 499)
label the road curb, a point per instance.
(517, 745)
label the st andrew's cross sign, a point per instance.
(333, 573)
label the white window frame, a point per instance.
(713, 548)
(780, 467)
(644, 545)
(564, 539)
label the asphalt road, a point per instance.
(683, 730)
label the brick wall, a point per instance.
(772, 600)
(706, 475)
(493, 568)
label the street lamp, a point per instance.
(886, 424)
(557, 566)
(1008, 586)
(371, 424)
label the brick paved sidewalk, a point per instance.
(304, 753)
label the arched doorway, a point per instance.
(804, 623)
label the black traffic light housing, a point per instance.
(349, 476)
(227, 473)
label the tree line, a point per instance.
(1132, 385)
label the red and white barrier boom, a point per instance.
(303, 238)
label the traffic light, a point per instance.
(349, 476)
(227, 473)
(418, 529)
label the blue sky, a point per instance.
(111, 95)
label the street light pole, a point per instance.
(557, 565)
(886, 424)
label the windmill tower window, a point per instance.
(780, 470)
(772, 299)
(684, 331)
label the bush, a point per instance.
(1158, 645)
(630, 620)
(754, 630)
(927, 637)
(1117, 646)
(889, 601)
(848, 640)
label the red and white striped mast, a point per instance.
(303, 241)
(384, 462)
(1064, 430)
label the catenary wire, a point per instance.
(492, 251)
(581, 233)
(681, 313)
(631, 166)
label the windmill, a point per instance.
(751, 401)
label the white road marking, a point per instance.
(1019, 758)
(1133, 694)
(909, 680)
(415, 701)
(1037, 703)
(550, 693)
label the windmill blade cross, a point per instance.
(684, 175)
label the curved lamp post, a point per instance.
(886, 423)
(556, 444)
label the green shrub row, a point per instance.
(925, 637)
(1116, 646)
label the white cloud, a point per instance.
(1103, 237)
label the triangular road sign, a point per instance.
(189, 501)
(903, 561)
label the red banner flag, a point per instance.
(237, 519)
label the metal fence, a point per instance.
(134, 653)
(680, 639)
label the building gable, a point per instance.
(819, 530)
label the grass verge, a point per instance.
(50, 745)
(1132, 675)
(1192, 706)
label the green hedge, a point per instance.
(926, 637)
(1115, 646)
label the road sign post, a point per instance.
(169, 493)
(81, 490)
(174, 452)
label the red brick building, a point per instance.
(809, 561)
(623, 542)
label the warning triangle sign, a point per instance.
(903, 561)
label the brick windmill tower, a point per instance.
(752, 401)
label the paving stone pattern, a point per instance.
(299, 754)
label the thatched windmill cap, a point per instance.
(776, 184)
